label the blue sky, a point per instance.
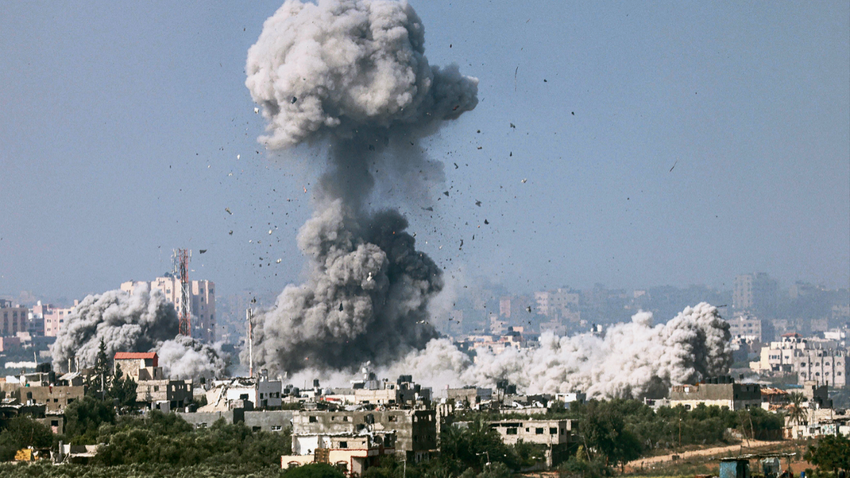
(662, 143)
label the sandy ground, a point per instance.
(719, 450)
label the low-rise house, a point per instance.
(152, 387)
(721, 391)
(138, 366)
(350, 453)
(555, 434)
(260, 391)
(416, 430)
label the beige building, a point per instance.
(735, 396)
(350, 453)
(201, 302)
(555, 434)
(822, 366)
(13, 318)
(138, 365)
(415, 430)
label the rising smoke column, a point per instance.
(352, 74)
(138, 322)
(632, 360)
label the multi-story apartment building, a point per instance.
(201, 302)
(13, 318)
(822, 366)
(747, 327)
(53, 317)
(754, 292)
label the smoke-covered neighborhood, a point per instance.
(280, 240)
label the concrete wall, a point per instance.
(269, 420)
(416, 430)
(266, 420)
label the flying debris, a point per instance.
(524, 181)
(528, 308)
(228, 210)
(429, 208)
(355, 256)
(278, 261)
(478, 203)
(486, 222)
(256, 110)
(202, 251)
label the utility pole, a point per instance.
(249, 315)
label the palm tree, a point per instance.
(795, 410)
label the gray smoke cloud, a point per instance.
(634, 359)
(354, 74)
(184, 358)
(139, 322)
(125, 323)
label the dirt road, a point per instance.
(719, 450)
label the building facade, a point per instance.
(415, 430)
(13, 318)
(735, 396)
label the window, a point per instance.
(553, 431)
(392, 418)
(256, 429)
(276, 428)
(343, 444)
(538, 431)
(511, 431)
(313, 419)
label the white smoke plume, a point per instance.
(633, 359)
(353, 73)
(184, 358)
(138, 322)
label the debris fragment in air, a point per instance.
(278, 261)
(203, 251)
(429, 208)
(524, 181)
(228, 211)
(478, 203)
(446, 193)
(486, 222)
(340, 306)
(294, 99)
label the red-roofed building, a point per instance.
(139, 365)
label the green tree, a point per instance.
(100, 377)
(603, 428)
(796, 411)
(473, 446)
(84, 417)
(122, 391)
(831, 453)
(22, 432)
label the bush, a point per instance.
(315, 470)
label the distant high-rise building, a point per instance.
(202, 302)
(13, 318)
(754, 292)
(54, 317)
(505, 307)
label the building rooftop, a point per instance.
(135, 355)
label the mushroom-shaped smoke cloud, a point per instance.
(352, 72)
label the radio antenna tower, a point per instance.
(180, 259)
